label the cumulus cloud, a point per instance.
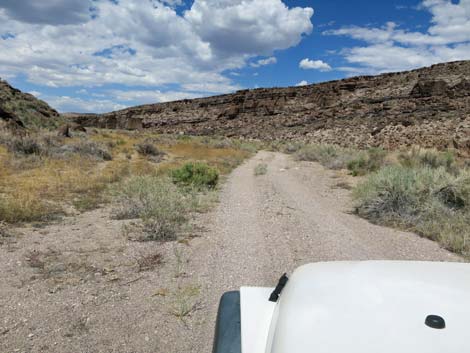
(308, 64)
(253, 26)
(302, 83)
(84, 43)
(168, 47)
(264, 62)
(390, 48)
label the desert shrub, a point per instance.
(418, 157)
(217, 142)
(148, 149)
(5, 137)
(292, 147)
(395, 192)
(432, 202)
(87, 148)
(455, 194)
(156, 201)
(89, 201)
(330, 156)
(149, 262)
(366, 162)
(289, 147)
(26, 145)
(247, 145)
(51, 139)
(4, 231)
(198, 175)
(261, 169)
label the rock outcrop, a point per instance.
(9, 120)
(25, 109)
(428, 107)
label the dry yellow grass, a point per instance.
(34, 188)
(224, 159)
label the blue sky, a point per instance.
(102, 55)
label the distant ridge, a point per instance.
(428, 107)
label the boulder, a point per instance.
(429, 88)
(231, 112)
(66, 130)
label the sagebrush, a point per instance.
(160, 205)
(431, 201)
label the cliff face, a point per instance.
(429, 107)
(18, 109)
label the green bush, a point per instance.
(432, 202)
(156, 201)
(367, 162)
(198, 175)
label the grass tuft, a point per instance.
(261, 169)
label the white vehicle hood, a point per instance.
(376, 307)
(372, 306)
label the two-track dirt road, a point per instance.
(76, 286)
(270, 224)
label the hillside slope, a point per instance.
(25, 109)
(429, 106)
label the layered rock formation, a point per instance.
(428, 107)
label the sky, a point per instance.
(103, 55)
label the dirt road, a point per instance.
(85, 292)
(295, 214)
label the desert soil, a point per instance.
(79, 285)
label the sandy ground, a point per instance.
(81, 286)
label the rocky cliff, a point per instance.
(429, 107)
(18, 109)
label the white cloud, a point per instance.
(308, 64)
(150, 96)
(302, 83)
(142, 42)
(389, 48)
(72, 104)
(252, 27)
(264, 62)
(214, 87)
